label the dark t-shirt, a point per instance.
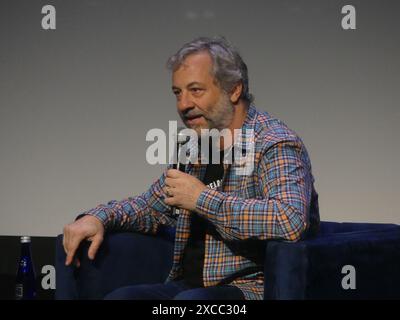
(193, 257)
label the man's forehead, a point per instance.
(194, 68)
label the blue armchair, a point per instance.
(309, 269)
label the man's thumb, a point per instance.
(94, 246)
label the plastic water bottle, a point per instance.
(25, 287)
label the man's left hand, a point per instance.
(182, 190)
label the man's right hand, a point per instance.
(86, 228)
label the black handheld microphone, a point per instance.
(181, 139)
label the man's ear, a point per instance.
(236, 93)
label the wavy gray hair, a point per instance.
(228, 66)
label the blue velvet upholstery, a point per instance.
(123, 259)
(312, 268)
(308, 269)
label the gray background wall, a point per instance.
(76, 103)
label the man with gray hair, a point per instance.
(224, 217)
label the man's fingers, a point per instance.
(69, 259)
(72, 246)
(168, 182)
(165, 190)
(77, 262)
(87, 227)
(171, 182)
(65, 238)
(171, 201)
(64, 243)
(169, 191)
(173, 173)
(94, 246)
(70, 256)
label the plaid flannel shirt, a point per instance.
(277, 200)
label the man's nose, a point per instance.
(185, 103)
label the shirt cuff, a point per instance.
(209, 203)
(99, 214)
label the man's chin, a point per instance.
(197, 127)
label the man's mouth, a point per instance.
(193, 119)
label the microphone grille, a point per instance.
(182, 137)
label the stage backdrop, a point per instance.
(76, 102)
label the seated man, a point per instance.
(224, 214)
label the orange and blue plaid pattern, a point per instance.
(276, 201)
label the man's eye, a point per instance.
(176, 93)
(195, 90)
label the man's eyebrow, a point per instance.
(191, 84)
(194, 83)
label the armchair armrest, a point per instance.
(123, 259)
(312, 269)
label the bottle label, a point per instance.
(19, 291)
